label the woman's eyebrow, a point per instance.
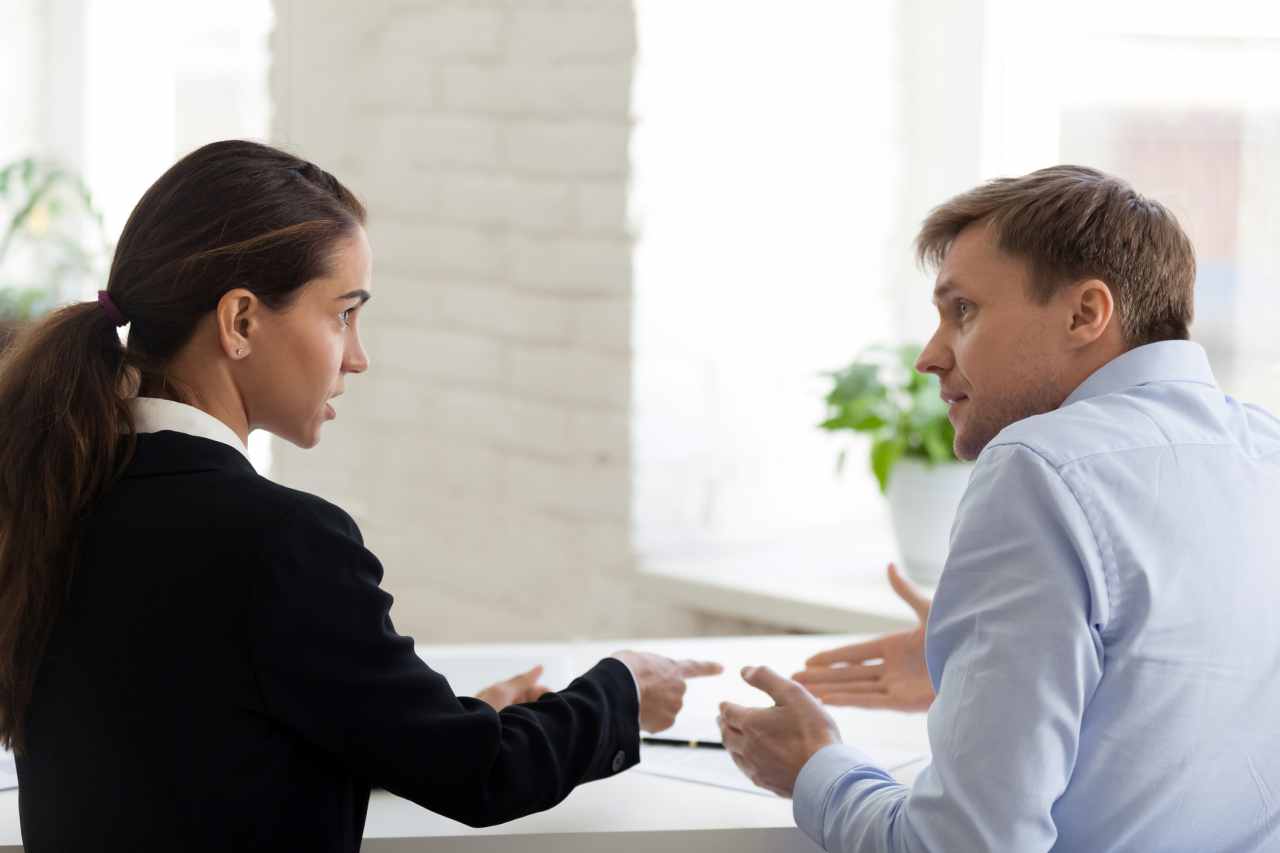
(362, 294)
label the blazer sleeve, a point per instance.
(332, 668)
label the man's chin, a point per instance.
(969, 443)
(965, 453)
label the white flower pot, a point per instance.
(922, 505)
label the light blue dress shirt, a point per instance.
(1104, 641)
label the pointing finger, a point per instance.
(698, 668)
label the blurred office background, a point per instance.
(617, 242)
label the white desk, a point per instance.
(632, 812)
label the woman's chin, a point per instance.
(311, 438)
(306, 437)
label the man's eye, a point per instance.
(345, 317)
(963, 308)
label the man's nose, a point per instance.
(935, 357)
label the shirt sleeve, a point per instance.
(333, 670)
(1015, 654)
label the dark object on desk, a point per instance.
(670, 741)
(225, 676)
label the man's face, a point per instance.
(999, 353)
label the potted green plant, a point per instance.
(912, 456)
(53, 245)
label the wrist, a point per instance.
(621, 657)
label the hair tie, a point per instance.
(109, 308)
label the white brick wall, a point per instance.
(487, 453)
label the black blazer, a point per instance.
(225, 676)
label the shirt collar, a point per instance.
(152, 414)
(1162, 361)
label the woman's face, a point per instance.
(306, 350)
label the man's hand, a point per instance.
(900, 678)
(662, 685)
(515, 690)
(771, 745)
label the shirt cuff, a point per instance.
(819, 775)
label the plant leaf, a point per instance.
(885, 453)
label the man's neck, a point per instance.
(1098, 355)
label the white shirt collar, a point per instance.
(152, 414)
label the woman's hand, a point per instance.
(662, 685)
(887, 672)
(515, 690)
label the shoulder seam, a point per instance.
(1086, 456)
(1103, 556)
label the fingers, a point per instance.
(856, 653)
(733, 717)
(908, 593)
(821, 690)
(489, 697)
(813, 678)
(871, 699)
(531, 677)
(780, 689)
(698, 668)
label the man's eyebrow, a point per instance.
(943, 290)
(361, 294)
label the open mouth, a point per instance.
(953, 402)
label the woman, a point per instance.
(191, 656)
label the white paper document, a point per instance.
(715, 767)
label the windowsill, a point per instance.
(828, 579)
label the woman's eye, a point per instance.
(345, 317)
(963, 308)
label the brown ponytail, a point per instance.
(231, 214)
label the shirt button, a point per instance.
(619, 760)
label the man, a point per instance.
(1102, 642)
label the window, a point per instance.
(784, 156)
(763, 157)
(119, 90)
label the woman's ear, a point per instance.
(238, 318)
(1092, 311)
